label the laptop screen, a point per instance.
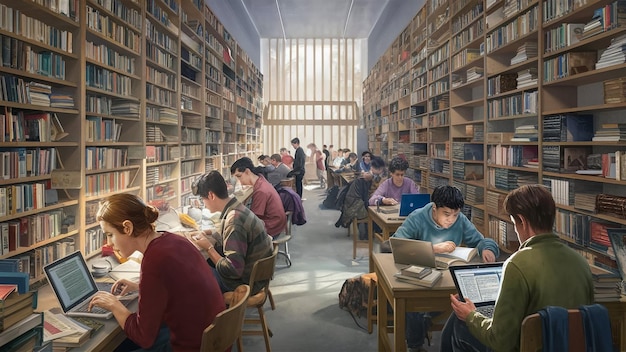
(478, 282)
(617, 237)
(71, 280)
(410, 202)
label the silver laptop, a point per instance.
(480, 283)
(74, 287)
(412, 252)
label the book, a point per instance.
(6, 289)
(416, 271)
(81, 333)
(427, 281)
(460, 255)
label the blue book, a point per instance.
(19, 279)
(10, 265)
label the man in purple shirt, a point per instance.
(390, 191)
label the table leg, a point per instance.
(399, 318)
(370, 240)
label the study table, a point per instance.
(107, 338)
(405, 297)
(388, 223)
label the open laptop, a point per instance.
(412, 201)
(617, 237)
(412, 252)
(74, 287)
(480, 283)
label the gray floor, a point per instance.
(307, 315)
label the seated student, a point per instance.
(442, 223)
(174, 278)
(352, 165)
(286, 158)
(280, 170)
(365, 163)
(543, 272)
(265, 203)
(390, 191)
(240, 237)
(264, 161)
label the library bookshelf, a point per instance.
(505, 93)
(100, 97)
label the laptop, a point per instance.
(74, 287)
(412, 252)
(617, 237)
(480, 283)
(412, 201)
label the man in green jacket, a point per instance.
(543, 272)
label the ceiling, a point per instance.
(314, 18)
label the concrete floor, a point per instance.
(307, 315)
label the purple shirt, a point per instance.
(387, 189)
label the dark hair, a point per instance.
(211, 182)
(377, 162)
(125, 206)
(246, 163)
(366, 153)
(447, 196)
(324, 146)
(535, 204)
(276, 157)
(398, 163)
(262, 157)
(295, 141)
(352, 155)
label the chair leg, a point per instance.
(371, 317)
(355, 233)
(271, 298)
(239, 344)
(266, 330)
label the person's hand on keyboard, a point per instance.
(105, 300)
(122, 287)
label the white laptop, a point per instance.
(74, 287)
(480, 283)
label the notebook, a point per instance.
(74, 286)
(412, 252)
(410, 202)
(480, 283)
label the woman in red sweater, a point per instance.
(178, 294)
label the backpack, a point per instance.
(354, 294)
(331, 198)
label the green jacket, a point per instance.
(543, 272)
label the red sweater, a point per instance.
(178, 289)
(266, 204)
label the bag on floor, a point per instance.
(331, 198)
(354, 294)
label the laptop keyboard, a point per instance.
(486, 311)
(102, 286)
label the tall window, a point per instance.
(312, 90)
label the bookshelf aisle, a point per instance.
(120, 96)
(536, 95)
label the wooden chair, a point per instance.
(354, 232)
(531, 336)
(227, 325)
(371, 303)
(262, 271)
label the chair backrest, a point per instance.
(227, 325)
(263, 271)
(531, 337)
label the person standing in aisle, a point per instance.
(298, 164)
(320, 160)
(174, 278)
(286, 158)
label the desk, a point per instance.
(389, 223)
(405, 297)
(107, 338)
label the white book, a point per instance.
(4, 238)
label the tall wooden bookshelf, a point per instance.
(100, 97)
(513, 74)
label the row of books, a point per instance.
(515, 155)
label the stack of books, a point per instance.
(474, 73)
(610, 132)
(527, 78)
(428, 280)
(525, 52)
(606, 284)
(15, 307)
(615, 91)
(615, 54)
(525, 133)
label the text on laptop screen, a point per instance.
(72, 281)
(480, 285)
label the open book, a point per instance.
(461, 255)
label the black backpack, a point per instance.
(331, 198)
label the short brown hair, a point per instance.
(535, 204)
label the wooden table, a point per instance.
(388, 223)
(405, 297)
(107, 338)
